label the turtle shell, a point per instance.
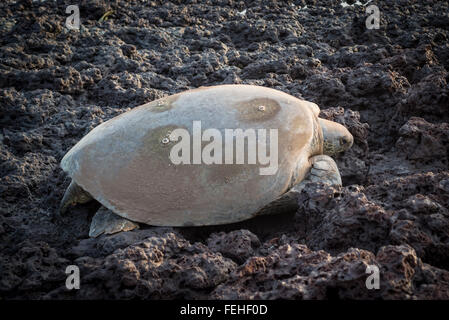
(125, 162)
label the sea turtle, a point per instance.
(126, 164)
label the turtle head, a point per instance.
(336, 138)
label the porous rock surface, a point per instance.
(389, 87)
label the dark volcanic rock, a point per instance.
(160, 266)
(237, 245)
(31, 270)
(293, 271)
(423, 141)
(338, 219)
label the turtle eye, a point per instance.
(344, 141)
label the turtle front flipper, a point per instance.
(72, 196)
(107, 222)
(324, 169)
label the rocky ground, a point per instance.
(388, 86)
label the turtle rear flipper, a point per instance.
(107, 222)
(72, 196)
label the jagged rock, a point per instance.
(423, 141)
(157, 267)
(340, 218)
(238, 245)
